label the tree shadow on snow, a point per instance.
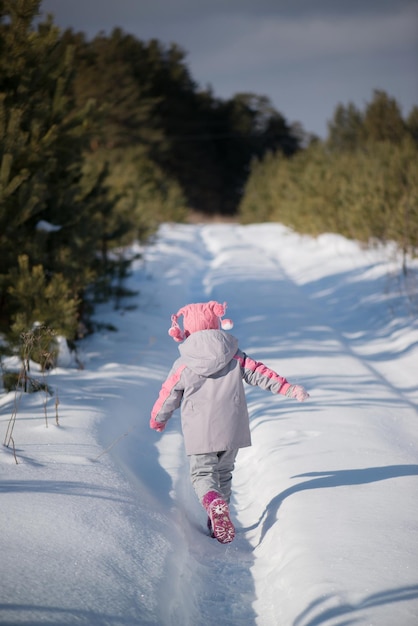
(34, 615)
(318, 613)
(330, 479)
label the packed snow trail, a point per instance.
(324, 500)
(322, 490)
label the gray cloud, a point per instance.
(111, 11)
(242, 42)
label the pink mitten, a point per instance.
(297, 392)
(158, 426)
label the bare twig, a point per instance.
(14, 450)
(9, 432)
(114, 442)
(57, 401)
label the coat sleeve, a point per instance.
(170, 396)
(257, 374)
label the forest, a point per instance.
(103, 140)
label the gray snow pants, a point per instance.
(212, 472)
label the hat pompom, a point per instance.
(175, 331)
(227, 324)
(176, 334)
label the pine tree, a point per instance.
(42, 138)
(383, 119)
(412, 123)
(345, 128)
(41, 302)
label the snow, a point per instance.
(47, 227)
(99, 523)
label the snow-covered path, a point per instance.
(325, 500)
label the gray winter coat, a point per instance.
(207, 381)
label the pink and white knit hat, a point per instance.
(199, 316)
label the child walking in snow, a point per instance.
(206, 380)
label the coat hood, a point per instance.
(208, 351)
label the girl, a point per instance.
(206, 380)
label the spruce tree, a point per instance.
(42, 138)
(345, 128)
(412, 123)
(383, 119)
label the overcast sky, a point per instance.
(307, 56)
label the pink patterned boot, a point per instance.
(218, 512)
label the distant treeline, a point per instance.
(361, 182)
(102, 140)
